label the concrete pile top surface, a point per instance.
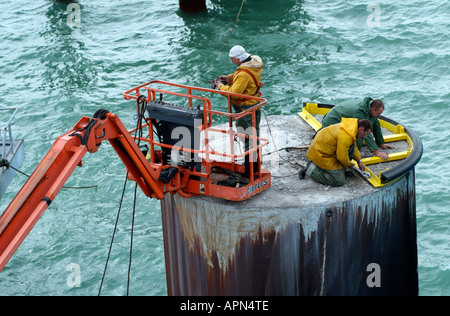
(289, 137)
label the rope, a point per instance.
(287, 149)
(235, 22)
(142, 106)
(100, 113)
(293, 165)
(114, 234)
(131, 239)
(64, 187)
(140, 101)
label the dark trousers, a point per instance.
(244, 125)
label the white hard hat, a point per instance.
(238, 52)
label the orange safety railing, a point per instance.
(151, 92)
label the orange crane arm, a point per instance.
(64, 156)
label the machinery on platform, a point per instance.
(180, 161)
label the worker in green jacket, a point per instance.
(366, 109)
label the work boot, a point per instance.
(302, 172)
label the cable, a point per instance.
(131, 239)
(293, 165)
(142, 106)
(64, 187)
(99, 114)
(287, 149)
(114, 234)
(235, 22)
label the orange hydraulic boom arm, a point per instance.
(59, 163)
(191, 171)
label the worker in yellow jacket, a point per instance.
(332, 150)
(245, 80)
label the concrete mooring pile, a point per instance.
(298, 237)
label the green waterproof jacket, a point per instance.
(359, 110)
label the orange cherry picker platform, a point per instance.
(187, 165)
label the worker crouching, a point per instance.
(332, 150)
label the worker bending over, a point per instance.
(332, 150)
(366, 109)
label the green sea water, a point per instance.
(57, 69)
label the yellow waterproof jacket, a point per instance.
(330, 148)
(243, 83)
